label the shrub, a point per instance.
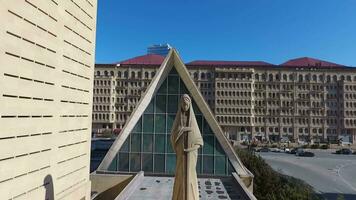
(314, 146)
(107, 133)
(324, 146)
(271, 185)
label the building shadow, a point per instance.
(48, 184)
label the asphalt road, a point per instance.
(328, 173)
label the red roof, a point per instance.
(309, 62)
(149, 59)
(228, 63)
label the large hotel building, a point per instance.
(301, 100)
(46, 77)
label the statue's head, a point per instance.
(185, 102)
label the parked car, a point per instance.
(286, 150)
(308, 154)
(344, 151)
(302, 153)
(275, 150)
(299, 151)
(263, 149)
(293, 151)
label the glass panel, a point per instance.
(198, 167)
(160, 121)
(159, 162)
(148, 122)
(199, 121)
(171, 163)
(208, 147)
(218, 148)
(196, 109)
(173, 71)
(135, 143)
(138, 127)
(147, 162)
(170, 120)
(173, 84)
(220, 165)
(113, 165)
(123, 162)
(208, 164)
(163, 88)
(147, 143)
(160, 143)
(183, 88)
(169, 144)
(135, 162)
(173, 103)
(161, 104)
(149, 108)
(126, 145)
(207, 129)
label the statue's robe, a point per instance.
(185, 134)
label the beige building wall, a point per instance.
(46, 78)
(267, 103)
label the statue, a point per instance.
(186, 140)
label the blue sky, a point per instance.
(267, 30)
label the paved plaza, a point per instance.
(328, 173)
(161, 188)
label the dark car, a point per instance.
(293, 151)
(344, 151)
(302, 153)
(308, 154)
(264, 149)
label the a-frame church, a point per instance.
(144, 142)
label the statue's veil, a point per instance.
(195, 136)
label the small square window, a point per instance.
(148, 123)
(161, 104)
(220, 165)
(163, 88)
(170, 120)
(148, 143)
(126, 145)
(171, 163)
(123, 162)
(135, 162)
(183, 88)
(169, 144)
(159, 163)
(172, 103)
(208, 147)
(150, 106)
(173, 84)
(160, 121)
(160, 141)
(147, 162)
(138, 127)
(208, 164)
(135, 142)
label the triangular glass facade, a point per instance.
(148, 147)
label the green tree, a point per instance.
(271, 185)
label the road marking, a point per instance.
(344, 180)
